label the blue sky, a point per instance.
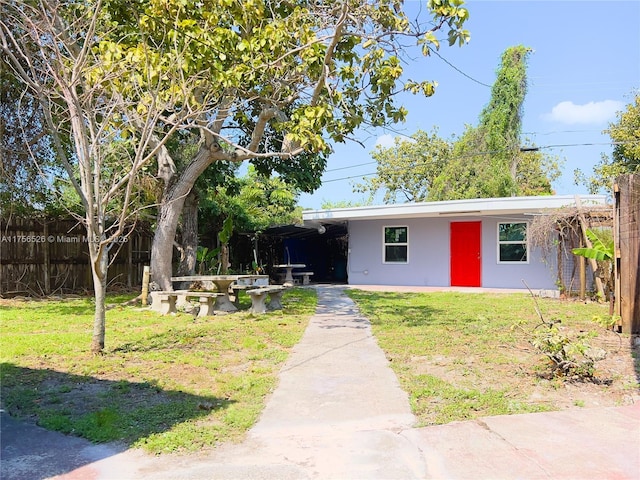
(584, 68)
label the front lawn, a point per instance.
(164, 383)
(459, 356)
(179, 383)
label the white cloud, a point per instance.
(385, 141)
(589, 113)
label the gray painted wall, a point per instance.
(429, 257)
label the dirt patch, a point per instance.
(525, 374)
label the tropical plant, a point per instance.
(206, 259)
(569, 356)
(602, 250)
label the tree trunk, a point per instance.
(169, 213)
(224, 258)
(162, 246)
(187, 264)
(99, 266)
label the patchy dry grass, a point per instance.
(165, 383)
(459, 358)
(175, 383)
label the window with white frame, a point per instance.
(512, 243)
(396, 245)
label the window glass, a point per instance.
(395, 234)
(396, 246)
(512, 232)
(513, 253)
(512, 242)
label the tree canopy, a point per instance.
(255, 202)
(283, 81)
(25, 186)
(484, 161)
(407, 170)
(625, 158)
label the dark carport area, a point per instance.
(322, 248)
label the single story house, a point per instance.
(469, 243)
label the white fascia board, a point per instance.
(455, 208)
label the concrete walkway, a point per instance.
(339, 413)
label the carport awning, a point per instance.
(297, 231)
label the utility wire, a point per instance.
(522, 149)
(457, 69)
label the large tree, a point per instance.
(485, 161)
(625, 158)
(117, 79)
(488, 160)
(308, 72)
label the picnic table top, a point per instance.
(204, 278)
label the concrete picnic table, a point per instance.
(288, 279)
(252, 279)
(222, 283)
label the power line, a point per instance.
(350, 166)
(560, 131)
(524, 133)
(457, 69)
(522, 149)
(349, 178)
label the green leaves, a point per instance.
(602, 247)
(625, 159)
(339, 67)
(408, 169)
(483, 162)
(427, 88)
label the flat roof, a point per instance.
(455, 208)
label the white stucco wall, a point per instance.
(429, 256)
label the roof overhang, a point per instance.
(309, 229)
(455, 208)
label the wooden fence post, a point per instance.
(627, 213)
(47, 257)
(145, 285)
(587, 243)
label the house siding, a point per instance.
(429, 255)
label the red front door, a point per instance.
(465, 254)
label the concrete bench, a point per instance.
(259, 297)
(163, 302)
(166, 302)
(242, 288)
(208, 301)
(305, 276)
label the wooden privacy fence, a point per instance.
(627, 251)
(44, 256)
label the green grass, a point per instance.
(175, 383)
(457, 355)
(165, 383)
